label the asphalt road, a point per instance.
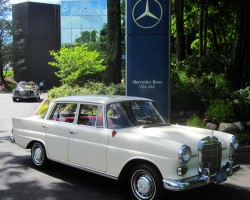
(19, 180)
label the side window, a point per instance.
(99, 119)
(90, 115)
(64, 112)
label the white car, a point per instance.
(26, 90)
(126, 138)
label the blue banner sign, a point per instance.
(148, 51)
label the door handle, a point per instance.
(71, 132)
(44, 126)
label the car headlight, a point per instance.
(184, 154)
(234, 143)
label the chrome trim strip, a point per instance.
(84, 168)
(185, 184)
(196, 181)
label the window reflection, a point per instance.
(66, 36)
(95, 22)
(83, 15)
(86, 22)
(66, 22)
(76, 33)
(65, 8)
(76, 21)
(75, 8)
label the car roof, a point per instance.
(103, 99)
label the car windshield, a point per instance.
(133, 113)
(27, 85)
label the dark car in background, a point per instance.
(26, 90)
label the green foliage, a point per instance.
(194, 84)
(90, 88)
(195, 121)
(221, 111)
(87, 36)
(43, 109)
(76, 64)
(241, 102)
(9, 73)
(10, 87)
(244, 138)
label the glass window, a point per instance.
(86, 22)
(99, 119)
(64, 112)
(103, 7)
(86, 7)
(65, 22)
(103, 20)
(75, 8)
(76, 21)
(66, 36)
(135, 113)
(65, 8)
(86, 15)
(95, 4)
(90, 115)
(95, 22)
(76, 33)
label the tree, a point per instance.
(113, 70)
(11, 41)
(76, 64)
(239, 71)
(180, 37)
(5, 35)
(86, 37)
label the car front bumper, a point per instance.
(199, 180)
(26, 97)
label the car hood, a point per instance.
(180, 135)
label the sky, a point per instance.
(42, 1)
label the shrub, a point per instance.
(195, 121)
(76, 64)
(241, 102)
(43, 109)
(88, 89)
(221, 111)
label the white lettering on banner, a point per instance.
(146, 84)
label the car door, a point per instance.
(88, 139)
(58, 130)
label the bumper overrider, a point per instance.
(201, 180)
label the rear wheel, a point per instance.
(145, 183)
(38, 155)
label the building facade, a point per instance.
(82, 18)
(46, 27)
(40, 25)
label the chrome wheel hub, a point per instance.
(143, 185)
(38, 155)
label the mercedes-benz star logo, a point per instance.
(144, 18)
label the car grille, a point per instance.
(210, 154)
(24, 92)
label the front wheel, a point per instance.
(38, 155)
(145, 183)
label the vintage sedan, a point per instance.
(26, 90)
(126, 138)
